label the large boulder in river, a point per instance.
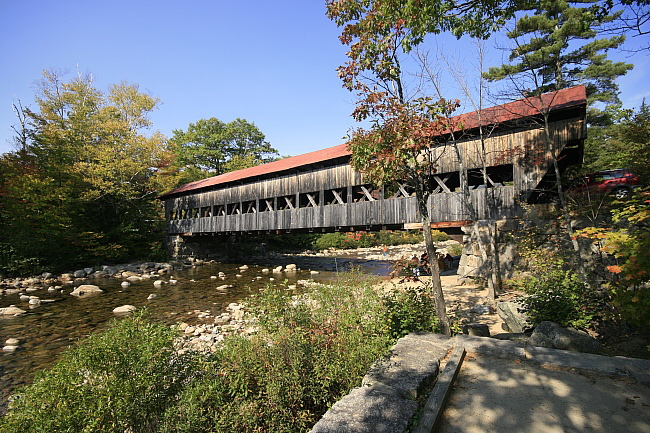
(80, 273)
(563, 338)
(86, 290)
(514, 316)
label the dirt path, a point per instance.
(501, 396)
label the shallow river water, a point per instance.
(47, 330)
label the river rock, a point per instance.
(110, 270)
(9, 348)
(79, 274)
(159, 283)
(514, 316)
(476, 329)
(314, 272)
(565, 339)
(89, 271)
(11, 310)
(124, 309)
(243, 268)
(24, 298)
(12, 342)
(266, 270)
(35, 301)
(133, 278)
(152, 296)
(290, 267)
(125, 284)
(86, 290)
(277, 269)
(47, 275)
(172, 281)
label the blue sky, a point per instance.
(270, 62)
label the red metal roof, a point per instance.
(502, 113)
(553, 101)
(271, 167)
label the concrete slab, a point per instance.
(499, 395)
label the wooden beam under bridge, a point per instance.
(438, 225)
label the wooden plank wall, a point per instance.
(524, 149)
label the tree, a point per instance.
(552, 53)
(623, 144)
(83, 187)
(211, 147)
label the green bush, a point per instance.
(558, 296)
(352, 240)
(122, 379)
(410, 310)
(309, 352)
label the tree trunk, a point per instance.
(436, 284)
(563, 202)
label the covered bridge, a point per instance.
(320, 191)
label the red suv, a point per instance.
(618, 182)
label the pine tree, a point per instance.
(558, 47)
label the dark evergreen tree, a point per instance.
(558, 47)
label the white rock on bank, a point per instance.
(124, 309)
(11, 310)
(125, 284)
(152, 296)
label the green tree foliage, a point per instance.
(83, 188)
(211, 147)
(622, 144)
(558, 47)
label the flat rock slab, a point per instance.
(411, 366)
(367, 410)
(385, 402)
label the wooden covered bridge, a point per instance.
(320, 191)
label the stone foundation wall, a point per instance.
(471, 262)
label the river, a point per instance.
(45, 331)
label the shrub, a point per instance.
(310, 351)
(351, 240)
(122, 379)
(559, 296)
(410, 310)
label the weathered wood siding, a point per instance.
(323, 198)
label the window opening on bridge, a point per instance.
(365, 192)
(308, 199)
(287, 202)
(219, 210)
(194, 212)
(206, 212)
(402, 191)
(500, 175)
(250, 207)
(336, 196)
(266, 205)
(445, 182)
(233, 209)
